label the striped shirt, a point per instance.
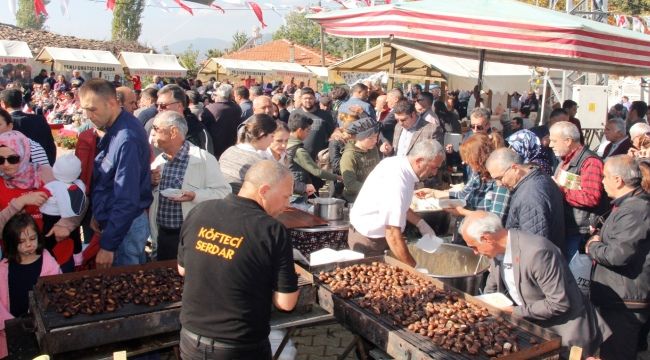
(38, 153)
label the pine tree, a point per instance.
(26, 16)
(126, 20)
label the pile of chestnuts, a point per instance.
(406, 300)
(106, 293)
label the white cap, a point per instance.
(67, 168)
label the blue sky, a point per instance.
(90, 19)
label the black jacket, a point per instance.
(197, 133)
(322, 127)
(36, 128)
(537, 207)
(227, 116)
(621, 274)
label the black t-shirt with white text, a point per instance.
(235, 256)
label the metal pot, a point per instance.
(328, 208)
(454, 265)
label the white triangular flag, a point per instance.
(64, 7)
(162, 6)
(12, 7)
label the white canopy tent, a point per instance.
(232, 67)
(96, 63)
(143, 64)
(320, 72)
(414, 64)
(14, 52)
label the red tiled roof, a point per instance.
(278, 50)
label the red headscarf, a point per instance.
(27, 175)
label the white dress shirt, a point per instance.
(509, 274)
(384, 198)
(404, 141)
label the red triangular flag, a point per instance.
(258, 12)
(185, 7)
(110, 4)
(217, 7)
(39, 8)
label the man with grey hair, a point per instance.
(389, 122)
(382, 207)
(580, 179)
(619, 142)
(227, 115)
(620, 280)
(172, 98)
(536, 204)
(255, 91)
(636, 135)
(186, 176)
(532, 272)
(237, 262)
(262, 105)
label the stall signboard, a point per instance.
(163, 73)
(15, 61)
(146, 64)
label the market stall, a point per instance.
(142, 64)
(91, 63)
(234, 69)
(16, 55)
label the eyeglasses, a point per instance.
(11, 159)
(162, 106)
(476, 127)
(500, 178)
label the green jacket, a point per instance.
(356, 165)
(302, 163)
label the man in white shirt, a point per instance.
(533, 273)
(382, 207)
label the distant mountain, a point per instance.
(200, 44)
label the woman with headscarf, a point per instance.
(529, 146)
(360, 156)
(21, 188)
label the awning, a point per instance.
(236, 67)
(320, 72)
(66, 59)
(143, 64)
(14, 52)
(221, 66)
(509, 31)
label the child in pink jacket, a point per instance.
(25, 261)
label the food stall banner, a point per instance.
(508, 31)
(94, 62)
(228, 67)
(282, 69)
(144, 64)
(14, 52)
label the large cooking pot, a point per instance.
(328, 208)
(454, 265)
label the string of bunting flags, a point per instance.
(40, 9)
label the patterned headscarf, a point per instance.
(26, 177)
(526, 144)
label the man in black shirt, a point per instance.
(237, 261)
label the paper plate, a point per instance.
(171, 193)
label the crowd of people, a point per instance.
(199, 170)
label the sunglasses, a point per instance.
(476, 127)
(11, 159)
(162, 106)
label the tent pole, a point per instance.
(481, 61)
(427, 81)
(391, 68)
(542, 113)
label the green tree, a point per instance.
(126, 20)
(26, 17)
(630, 7)
(189, 59)
(305, 32)
(238, 40)
(214, 53)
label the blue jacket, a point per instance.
(367, 108)
(537, 207)
(121, 179)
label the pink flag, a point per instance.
(185, 7)
(110, 4)
(39, 8)
(258, 12)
